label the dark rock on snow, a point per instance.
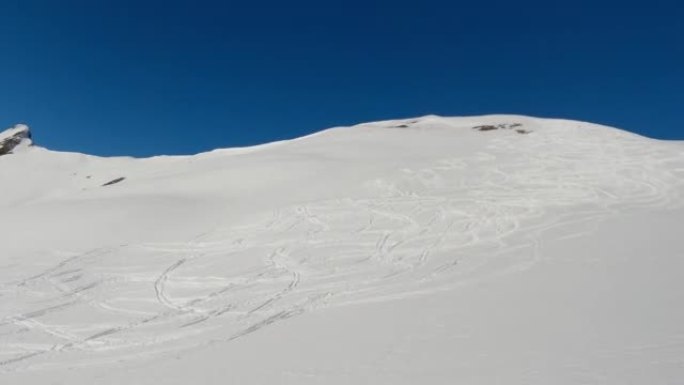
(114, 181)
(13, 137)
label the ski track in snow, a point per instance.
(422, 232)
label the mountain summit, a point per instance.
(15, 137)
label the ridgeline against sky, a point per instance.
(151, 77)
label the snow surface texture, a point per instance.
(484, 250)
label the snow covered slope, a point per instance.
(483, 250)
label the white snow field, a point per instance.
(483, 250)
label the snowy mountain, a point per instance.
(480, 250)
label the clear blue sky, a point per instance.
(122, 77)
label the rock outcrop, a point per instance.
(11, 139)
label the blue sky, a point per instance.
(122, 77)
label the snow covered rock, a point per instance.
(14, 138)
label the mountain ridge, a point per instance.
(416, 122)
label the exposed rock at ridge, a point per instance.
(14, 137)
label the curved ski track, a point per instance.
(425, 230)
